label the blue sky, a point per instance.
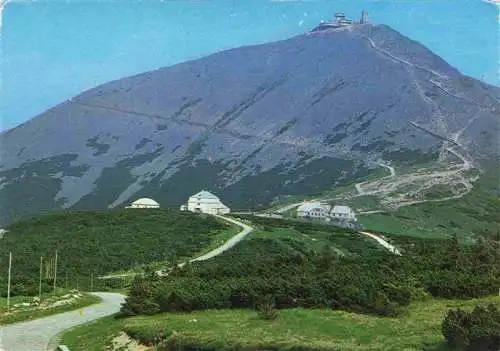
(52, 50)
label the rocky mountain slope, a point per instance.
(291, 117)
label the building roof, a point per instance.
(205, 195)
(309, 206)
(342, 209)
(145, 202)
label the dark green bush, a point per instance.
(476, 331)
(294, 276)
(141, 299)
(266, 307)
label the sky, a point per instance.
(53, 50)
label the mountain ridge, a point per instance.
(320, 105)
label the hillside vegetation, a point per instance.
(473, 215)
(102, 242)
(279, 271)
(314, 236)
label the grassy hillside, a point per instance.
(339, 269)
(102, 242)
(474, 214)
(294, 329)
(314, 236)
(363, 299)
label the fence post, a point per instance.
(8, 282)
(40, 282)
(55, 273)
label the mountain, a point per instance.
(296, 116)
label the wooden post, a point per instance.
(55, 273)
(8, 282)
(40, 282)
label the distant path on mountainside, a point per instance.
(360, 190)
(35, 335)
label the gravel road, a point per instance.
(35, 335)
(245, 230)
(382, 242)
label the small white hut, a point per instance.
(144, 203)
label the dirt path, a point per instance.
(382, 242)
(245, 230)
(358, 186)
(35, 335)
(398, 59)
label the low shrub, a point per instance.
(476, 331)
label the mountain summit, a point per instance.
(296, 116)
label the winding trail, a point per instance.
(245, 230)
(382, 242)
(360, 190)
(401, 60)
(390, 168)
(36, 335)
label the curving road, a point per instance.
(245, 230)
(36, 335)
(382, 242)
(391, 169)
(358, 185)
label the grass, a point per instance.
(313, 235)
(217, 239)
(14, 317)
(101, 242)
(312, 329)
(94, 336)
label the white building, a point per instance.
(205, 202)
(144, 203)
(313, 210)
(344, 213)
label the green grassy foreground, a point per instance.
(20, 316)
(312, 329)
